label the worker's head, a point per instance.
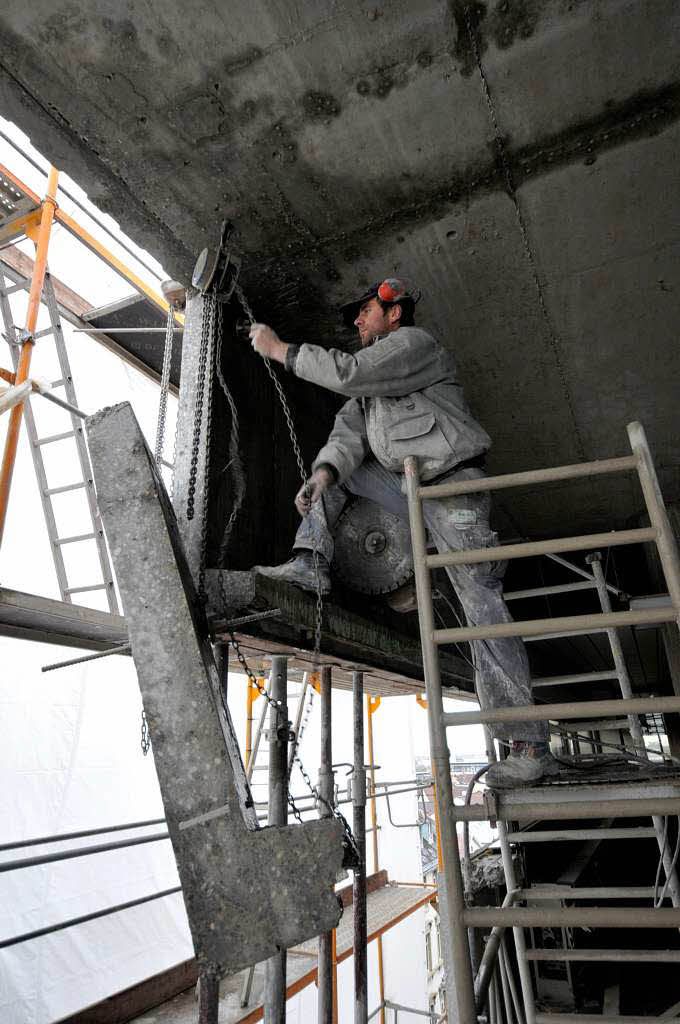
(383, 308)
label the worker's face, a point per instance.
(372, 321)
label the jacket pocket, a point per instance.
(416, 426)
(421, 436)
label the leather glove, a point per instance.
(312, 490)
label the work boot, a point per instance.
(527, 764)
(300, 571)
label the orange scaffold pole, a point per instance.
(49, 206)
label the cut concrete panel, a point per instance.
(241, 885)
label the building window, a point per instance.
(428, 948)
(438, 950)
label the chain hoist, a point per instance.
(215, 294)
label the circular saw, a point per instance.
(372, 549)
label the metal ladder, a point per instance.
(543, 803)
(84, 480)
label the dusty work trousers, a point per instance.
(502, 673)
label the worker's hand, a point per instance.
(267, 343)
(312, 490)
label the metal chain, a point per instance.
(235, 462)
(165, 384)
(210, 357)
(198, 408)
(531, 258)
(146, 738)
(301, 469)
(209, 324)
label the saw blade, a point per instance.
(372, 549)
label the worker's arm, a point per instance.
(402, 362)
(347, 445)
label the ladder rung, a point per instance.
(65, 488)
(578, 834)
(541, 547)
(59, 383)
(54, 437)
(585, 709)
(43, 334)
(74, 540)
(14, 288)
(85, 590)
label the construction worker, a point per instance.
(405, 398)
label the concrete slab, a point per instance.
(241, 885)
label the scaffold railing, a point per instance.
(508, 806)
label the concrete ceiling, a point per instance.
(349, 140)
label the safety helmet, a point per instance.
(390, 289)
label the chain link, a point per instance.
(209, 360)
(165, 384)
(318, 622)
(198, 406)
(235, 462)
(146, 738)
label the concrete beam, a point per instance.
(241, 885)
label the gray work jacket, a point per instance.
(404, 399)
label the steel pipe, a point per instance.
(83, 851)
(489, 956)
(557, 712)
(575, 677)
(63, 836)
(457, 952)
(529, 477)
(325, 955)
(507, 810)
(569, 624)
(559, 588)
(359, 829)
(573, 917)
(275, 966)
(578, 835)
(629, 956)
(594, 560)
(84, 918)
(665, 538)
(528, 549)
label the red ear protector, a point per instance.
(391, 290)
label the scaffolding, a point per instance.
(565, 803)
